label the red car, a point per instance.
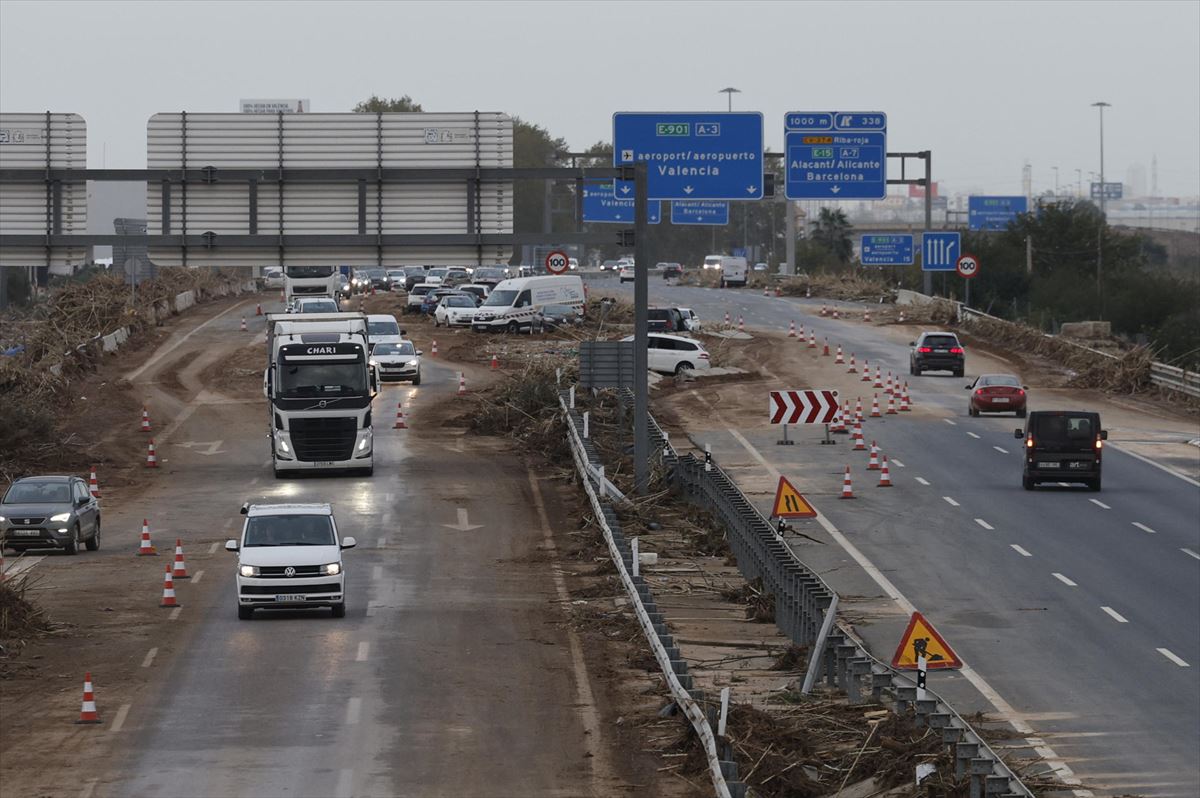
(997, 393)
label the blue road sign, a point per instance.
(835, 155)
(887, 250)
(693, 156)
(699, 212)
(601, 206)
(940, 251)
(1109, 190)
(994, 213)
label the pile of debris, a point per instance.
(20, 619)
(850, 286)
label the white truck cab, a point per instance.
(289, 557)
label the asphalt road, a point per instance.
(449, 676)
(1079, 609)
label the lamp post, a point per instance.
(1103, 219)
(729, 91)
(1079, 181)
(1055, 168)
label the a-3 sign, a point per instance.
(693, 156)
(835, 155)
(803, 407)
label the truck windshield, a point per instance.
(308, 272)
(289, 530)
(322, 380)
(501, 298)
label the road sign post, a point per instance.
(835, 155)
(940, 251)
(641, 323)
(716, 156)
(967, 267)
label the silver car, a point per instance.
(49, 512)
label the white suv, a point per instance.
(290, 557)
(672, 354)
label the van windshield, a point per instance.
(501, 298)
(289, 530)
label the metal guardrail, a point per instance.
(1175, 378)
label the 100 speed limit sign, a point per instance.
(556, 262)
(968, 266)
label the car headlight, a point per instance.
(61, 517)
(373, 362)
(249, 570)
(411, 363)
(283, 447)
(2, 519)
(332, 569)
(362, 445)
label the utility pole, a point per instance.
(1103, 218)
(1029, 255)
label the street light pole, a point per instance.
(1079, 182)
(1103, 218)
(729, 91)
(1055, 168)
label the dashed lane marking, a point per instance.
(973, 435)
(897, 463)
(1143, 527)
(197, 577)
(1064, 580)
(119, 718)
(377, 572)
(984, 524)
(922, 480)
(353, 710)
(88, 788)
(175, 613)
(381, 543)
(363, 649)
(213, 548)
(1166, 652)
(1000, 449)
(1190, 553)
(951, 422)
(1019, 550)
(149, 657)
(1116, 616)
(1100, 504)
(345, 783)
(950, 501)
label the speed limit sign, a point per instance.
(968, 265)
(556, 262)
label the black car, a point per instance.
(671, 270)
(49, 512)
(937, 351)
(665, 320)
(556, 316)
(1062, 446)
(490, 276)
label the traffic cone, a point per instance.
(462, 384)
(847, 487)
(244, 327)
(399, 417)
(808, 293)
(766, 291)
(859, 444)
(778, 292)
(727, 318)
(875, 407)
(907, 399)
(824, 311)
(878, 378)
(168, 599)
(858, 414)
(887, 385)
(866, 377)
(891, 407)
(901, 317)
(835, 313)
(88, 713)
(434, 352)
(93, 485)
(904, 403)
(853, 369)
(885, 477)
(792, 328)
(151, 457)
(812, 340)
(825, 351)
(839, 423)
(180, 569)
(145, 419)
(839, 360)
(873, 463)
(867, 315)
(741, 324)
(146, 548)
(282, 296)
(372, 289)
(495, 362)
(258, 309)
(801, 335)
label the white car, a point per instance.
(273, 278)
(416, 295)
(315, 304)
(289, 557)
(398, 361)
(455, 311)
(396, 278)
(690, 319)
(478, 289)
(572, 263)
(626, 275)
(672, 354)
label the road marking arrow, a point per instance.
(464, 524)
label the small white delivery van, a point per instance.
(516, 305)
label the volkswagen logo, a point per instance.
(289, 571)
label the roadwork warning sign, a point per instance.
(789, 503)
(922, 640)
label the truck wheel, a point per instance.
(513, 328)
(339, 610)
(245, 613)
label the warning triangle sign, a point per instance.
(921, 639)
(789, 503)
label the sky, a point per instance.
(985, 86)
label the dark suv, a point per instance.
(936, 351)
(1062, 446)
(665, 320)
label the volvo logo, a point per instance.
(289, 571)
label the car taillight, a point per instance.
(704, 356)
(956, 350)
(979, 392)
(1029, 442)
(1020, 392)
(1099, 443)
(925, 350)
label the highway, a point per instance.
(1078, 610)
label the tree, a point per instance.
(375, 105)
(831, 230)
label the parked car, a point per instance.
(761, 267)
(377, 279)
(396, 278)
(690, 320)
(416, 296)
(455, 310)
(1062, 446)
(478, 289)
(398, 361)
(936, 351)
(436, 275)
(430, 302)
(514, 304)
(315, 304)
(456, 276)
(412, 276)
(572, 263)
(672, 354)
(49, 512)
(554, 317)
(289, 557)
(490, 276)
(668, 320)
(997, 393)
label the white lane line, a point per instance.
(1190, 553)
(372, 607)
(353, 710)
(950, 501)
(254, 481)
(149, 657)
(363, 649)
(1159, 466)
(119, 718)
(1099, 503)
(213, 548)
(1143, 527)
(1166, 652)
(1019, 550)
(1064, 484)
(1015, 719)
(197, 577)
(984, 524)
(381, 543)
(171, 347)
(175, 613)
(950, 422)
(377, 572)
(973, 435)
(922, 480)
(88, 788)
(897, 463)
(345, 783)
(228, 523)
(1000, 449)
(1064, 580)
(1116, 616)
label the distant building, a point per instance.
(1135, 180)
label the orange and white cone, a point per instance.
(825, 351)
(258, 309)
(902, 317)
(179, 571)
(878, 378)
(88, 713)
(847, 487)
(891, 407)
(904, 395)
(866, 377)
(282, 296)
(812, 340)
(778, 291)
(867, 315)
(93, 485)
(792, 328)
(727, 322)
(145, 419)
(835, 313)
(904, 403)
(168, 598)
(858, 414)
(434, 348)
(839, 423)
(873, 463)
(839, 360)
(495, 362)
(824, 311)
(462, 383)
(766, 291)
(244, 327)
(741, 324)
(146, 548)
(853, 367)
(151, 457)
(875, 407)
(887, 384)
(885, 477)
(400, 417)
(859, 444)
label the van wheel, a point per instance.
(682, 367)
(1027, 483)
(245, 613)
(339, 610)
(1094, 484)
(513, 328)
(417, 379)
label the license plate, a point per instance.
(324, 464)
(26, 533)
(1000, 400)
(1049, 465)
(289, 597)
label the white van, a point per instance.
(516, 304)
(733, 271)
(382, 328)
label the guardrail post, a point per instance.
(586, 417)
(571, 401)
(633, 547)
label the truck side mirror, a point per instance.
(267, 381)
(374, 379)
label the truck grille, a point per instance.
(308, 290)
(324, 439)
(283, 589)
